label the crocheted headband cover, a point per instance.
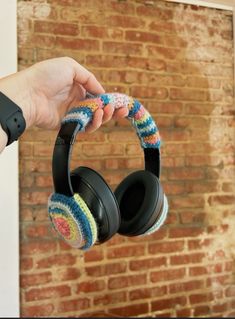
(73, 219)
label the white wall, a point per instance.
(9, 207)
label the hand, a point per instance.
(48, 89)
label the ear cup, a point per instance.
(161, 218)
(100, 200)
(73, 220)
(140, 198)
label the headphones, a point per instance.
(83, 209)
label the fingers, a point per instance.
(103, 116)
(120, 113)
(87, 79)
(108, 113)
(96, 121)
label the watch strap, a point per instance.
(11, 118)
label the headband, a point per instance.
(78, 118)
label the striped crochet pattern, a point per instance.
(73, 220)
(142, 121)
(70, 216)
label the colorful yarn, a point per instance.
(159, 222)
(143, 122)
(73, 220)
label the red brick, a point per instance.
(185, 232)
(188, 95)
(42, 41)
(159, 93)
(230, 291)
(221, 200)
(160, 52)
(69, 273)
(26, 264)
(44, 181)
(74, 305)
(56, 260)
(189, 201)
(47, 293)
(146, 293)
(93, 255)
(122, 48)
(76, 44)
(187, 173)
(145, 264)
(199, 243)
(163, 304)
(140, 36)
(162, 14)
(123, 21)
(185, 313)
(166, 247)
(43, 310)
(200, 298)
(102, 32)
(187, 259)
(132, 310)
(103, 150)
(35, 197)
(139, 294)
(219, 280)
(198, 270)
(127, 251)
(106, 269)
(192, 217)
(201, 310)
(110, 298)
(220, 307)
(165, 275)
(186, 286)
(40, 230)
(90, 286)
(55, 28)
(126, 281)
(37, 247)
(35, 279)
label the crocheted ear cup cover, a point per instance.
(73, 220)
(70, 215)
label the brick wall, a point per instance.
(178, 60)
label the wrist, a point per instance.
(11, 119)
(17, 88)
(3, 139)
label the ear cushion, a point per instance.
(73, 220)
(140, 198)
(100, 200)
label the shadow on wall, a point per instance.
(177, 60)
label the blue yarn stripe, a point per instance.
(78, 215)
(135, 108)
(149, 121)
(105, 99)
(150, 132)
(84, 109)
(149, 145)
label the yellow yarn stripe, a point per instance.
(89, 216)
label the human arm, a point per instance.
(48, 89)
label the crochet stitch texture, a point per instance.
(70, 216)
(142, 121)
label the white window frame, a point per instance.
(9, 178)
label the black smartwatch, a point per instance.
(11, 118)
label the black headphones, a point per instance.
(83, 209)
